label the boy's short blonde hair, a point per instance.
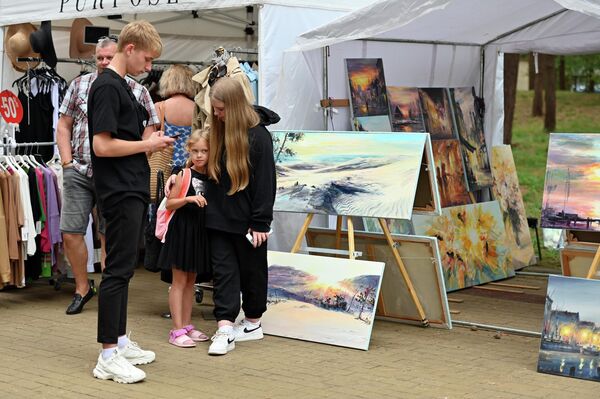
(141, 34)
(177, 79)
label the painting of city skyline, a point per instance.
(508, 193)
(469, 124)
(368, 95)
(405, 109)
(435, 104)
(450, 173)
(572, 183)
(322, 299)
(570, 344)
(472, 243)
(348, 173)
(379, 123)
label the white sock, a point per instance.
(226, 329)
(251, 324)
(123, 341)
(106, 353)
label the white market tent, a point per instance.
(186, 36)
(431, 43)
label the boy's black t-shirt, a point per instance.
(113, 108)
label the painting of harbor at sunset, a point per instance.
(571, 332)
(572, 184)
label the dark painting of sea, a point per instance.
(570, 343)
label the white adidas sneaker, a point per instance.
(118, 369)
(221, 343)
(244, 331)
(136, 355)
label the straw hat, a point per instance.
(77, 49)
(41, 41)
(16, 43)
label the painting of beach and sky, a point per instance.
(322, 299)
(348, 173)
(571, 199)
(570, 343)
(366, 81)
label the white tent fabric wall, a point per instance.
(558, 27)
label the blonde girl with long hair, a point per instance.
(185, 251)
(241, 194)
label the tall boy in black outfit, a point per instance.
(122, 181)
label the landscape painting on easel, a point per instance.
(438, 114)
(472, 243)
(379, 123)
(469, 124)
(368, 96)
(405, 109)
(348, 173)
(450, 173)
(322, 299)
(572, 184)
(570, 344)
(506, 190)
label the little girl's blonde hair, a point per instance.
(196, 135)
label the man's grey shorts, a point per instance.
(79, 197)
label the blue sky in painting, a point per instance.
(576, 295)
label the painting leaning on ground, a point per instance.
(572, 184)
(322, 299)
(570, 344)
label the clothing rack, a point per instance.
(79, 61)
(172, 62)
(239, 50)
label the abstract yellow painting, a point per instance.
(508, 194)
(472, 243)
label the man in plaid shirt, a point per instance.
(79, 195)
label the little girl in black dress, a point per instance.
(185, 250)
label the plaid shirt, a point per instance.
(75, 106)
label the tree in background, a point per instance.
(583, 71)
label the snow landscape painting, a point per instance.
(322, 299)
(348, 173)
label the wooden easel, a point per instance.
(594, 265)
(352, 253)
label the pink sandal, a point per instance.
(180, 339)
(195, 335)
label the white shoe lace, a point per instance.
(219, 334)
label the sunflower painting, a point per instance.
(472, 243)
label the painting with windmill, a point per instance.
(572, 184)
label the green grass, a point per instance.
(575, 113)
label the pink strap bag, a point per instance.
(164, 215)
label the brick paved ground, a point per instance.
(46, 354)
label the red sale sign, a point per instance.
(10, 107)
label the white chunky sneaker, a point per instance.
(244, 331)
(118, 369)
(136, 355)
(221, 343)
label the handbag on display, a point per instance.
(153, 244)
(164, 215)
(160, 160)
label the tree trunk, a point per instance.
(550, 92)
(562, 78)
(531, 71)
(511, 74)
(538, 87)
